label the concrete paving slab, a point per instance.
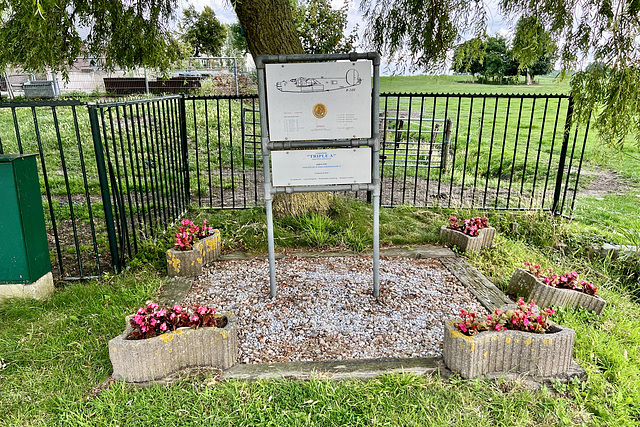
(334, 370)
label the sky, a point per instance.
(225, 14)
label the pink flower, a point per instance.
(194, 318)
(201, 310)
(139, 319)
(153, 322)
(144, 328)
(172, 316)
(161, 313)
(527, 264)
(177, 309)
(141, 310)
(163, 327)
(498, 327)
(152, 305)
(462, 327)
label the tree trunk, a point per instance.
(473, 77)
(528, 78)
(269, 29)
(268, 26)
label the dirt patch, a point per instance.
(606, 182)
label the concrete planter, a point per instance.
(154, 358)
(490, 352)
(466, 242)
(189, 263)
(523, 283)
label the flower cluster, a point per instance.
(151, 320)
(563, 281)
(471, 226)
(189, 233)
(521, 318)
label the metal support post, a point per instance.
(375, 173)
(268, 197)
(184, 147)
(235, 73)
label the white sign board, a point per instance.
(321, 167)
(319, 100)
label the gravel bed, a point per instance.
(325, 310)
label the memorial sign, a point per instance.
(319, 126)
(319, 100)
(321, 167)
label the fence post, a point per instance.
(446, 145)
(104, 185)
(146, 81)
(185, 148)
(563, 155)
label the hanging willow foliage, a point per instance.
(598, 40)
(41, 34)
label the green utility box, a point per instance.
(24, 252)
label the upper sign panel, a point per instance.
(319, 100)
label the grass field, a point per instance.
(462, 84)
(54, 364)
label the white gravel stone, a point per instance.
(325, 309)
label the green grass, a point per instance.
(401, 400)
(462, 84)
(56, 352)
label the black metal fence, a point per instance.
(507, 152)
(141, 159)
(113, 174)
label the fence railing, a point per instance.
(113, 174)
(507, 152)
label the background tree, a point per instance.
(237, 39)
(495, 59)
(322, 28)
(468, 57)
(533, 47)
(203, 31)
(38, 34)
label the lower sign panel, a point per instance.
(321, 167)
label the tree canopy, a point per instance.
(322, 29)
(202, 30)
(36, 34)
(468, 57)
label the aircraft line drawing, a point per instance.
(320, 84)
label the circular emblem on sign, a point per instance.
(319, 110)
